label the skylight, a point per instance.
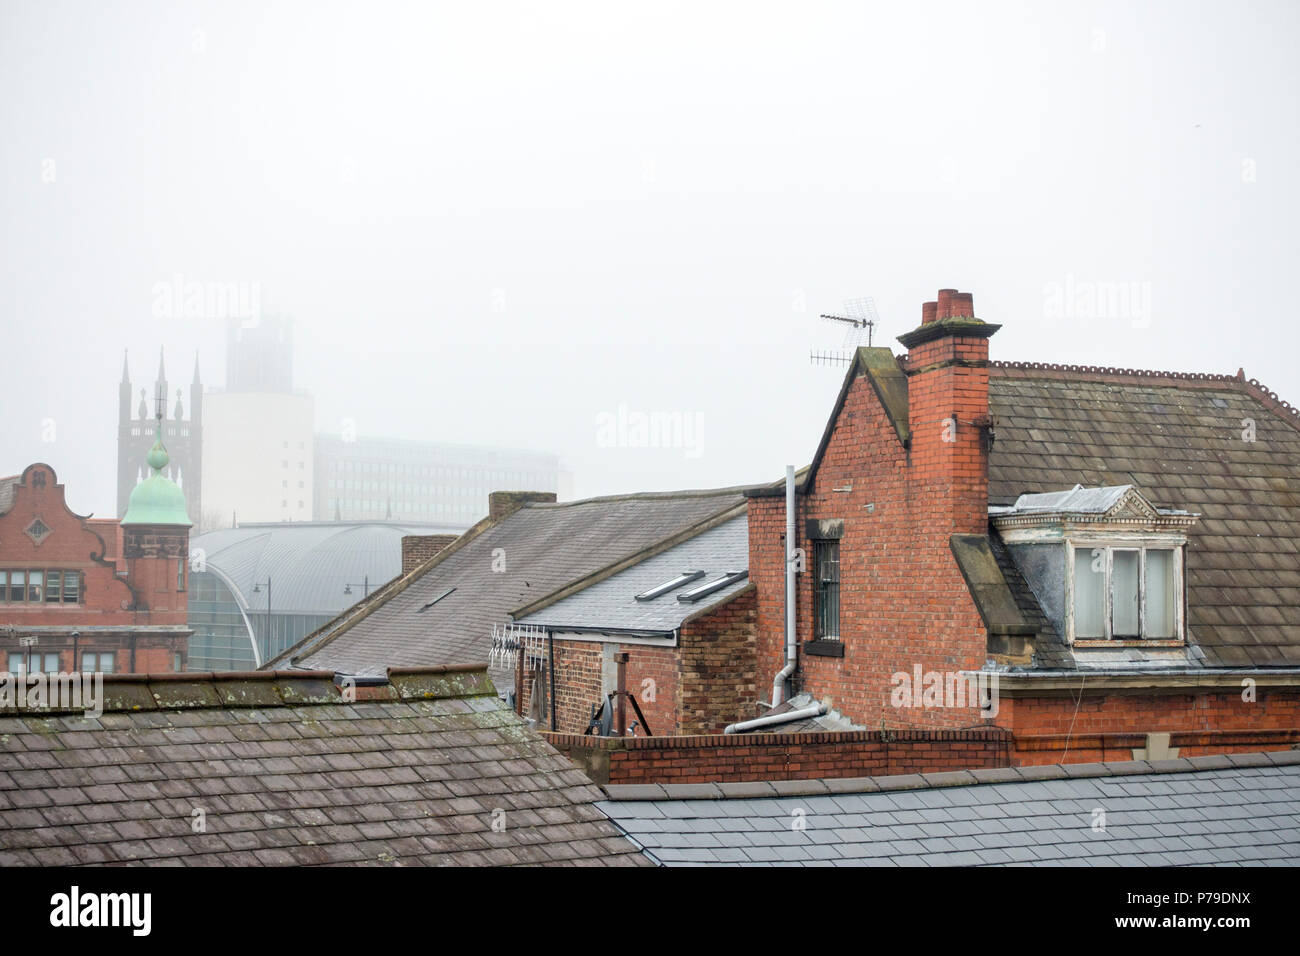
(704, 590)
(686, 577)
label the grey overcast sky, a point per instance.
(494, 223)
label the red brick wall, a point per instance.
(903, 599)
(140, 654)
(749, 757)
(146, 595)
(152, 555)
(719, 667)
(711, 758)
(652, 676)
(577, 678)
(948, 462)
(700, 686)
(1108, 727)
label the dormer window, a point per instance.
(1105, 564)
(1125, 592)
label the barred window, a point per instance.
(827, 568)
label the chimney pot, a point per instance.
(944, 309)
(928, 311)
(963, 305)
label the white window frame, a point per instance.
(98, 661)
(1110, 546)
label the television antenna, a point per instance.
(860, 319)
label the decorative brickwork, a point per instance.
(132, 598)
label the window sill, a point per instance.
(824, 648)
(1131, 642)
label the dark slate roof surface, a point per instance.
(544, 546)
(1179, 441)
(1050, 649)
(1240, 810)
(287, 773)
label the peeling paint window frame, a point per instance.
(1109, 547)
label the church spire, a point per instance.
(160, 389)
(126, 372)
(196, 368)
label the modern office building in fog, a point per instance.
(249, 452)
(372, 479)
(258, 432)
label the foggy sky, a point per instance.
(494, 223)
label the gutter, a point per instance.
(815, 710)
(1169, 680)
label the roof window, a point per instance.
(704, 590)
(686, 577)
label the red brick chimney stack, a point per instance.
(948, 408)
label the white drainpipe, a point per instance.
(778, 685)
(815, 710)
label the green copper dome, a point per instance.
(157, 500)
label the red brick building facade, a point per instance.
(902, 478)
(699, 686)
(82, 593)
(903, 600)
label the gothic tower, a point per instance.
(183, 435)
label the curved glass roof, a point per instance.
(309, 563)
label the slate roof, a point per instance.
(610, 604)
(7, 486)
(1236, 810)
(1050, 650)
(288, 773)
(1179, 440)
(544, 546)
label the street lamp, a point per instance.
(257, 589)
(347, 588)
